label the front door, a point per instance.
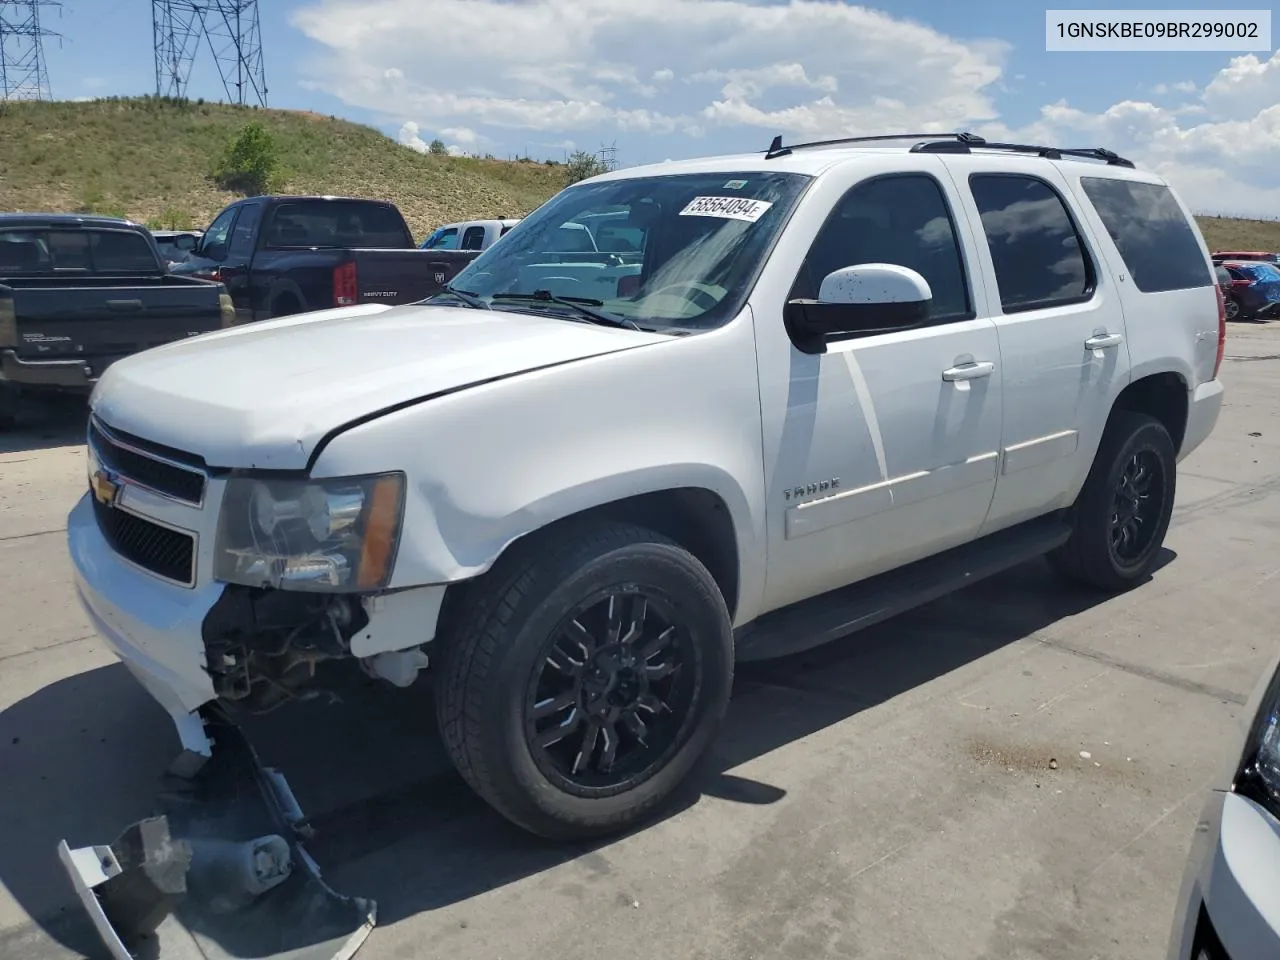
(884, 448)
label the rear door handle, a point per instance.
(969, 371)
(1103, 340)
(124, 306)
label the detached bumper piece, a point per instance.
(220, 874)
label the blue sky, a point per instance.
(670, 78)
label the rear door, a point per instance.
(1060, 325)
(1166, 278)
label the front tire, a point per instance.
(583, 679)
(1120, 519)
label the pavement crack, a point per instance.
(37, 533)
(46, 647)
(1148, 673)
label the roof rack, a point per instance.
(962, 142)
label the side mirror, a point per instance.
(861, 300)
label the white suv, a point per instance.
(805, 390)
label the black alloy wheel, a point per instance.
(1135, 511)
(609, 700)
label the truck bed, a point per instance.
(64, 331)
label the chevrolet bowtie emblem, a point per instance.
(105, 490)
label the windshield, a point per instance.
(655, 252)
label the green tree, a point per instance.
(437, 148)
(582, 165)
(250, 163)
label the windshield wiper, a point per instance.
(580, 305)
(466, 296)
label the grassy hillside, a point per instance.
(1224, 233)
(151, 160)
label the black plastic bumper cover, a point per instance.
(219, 873)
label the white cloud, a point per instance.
(707, 69)
(1220, 157)
(461, 134)
(1182, 86)
(801, 67)
(409, 136)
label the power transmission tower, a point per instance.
(22, 71)
(230, 29)
(176, 29)
(609, 156)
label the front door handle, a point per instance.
(969, 371)
(1103, 340)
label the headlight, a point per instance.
(1259, 775)
(337, 535)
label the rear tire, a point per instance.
(1120, 519)
(584, 678)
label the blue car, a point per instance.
(1255, 290)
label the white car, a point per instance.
(1229, 906)
(809, 388)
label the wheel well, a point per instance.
(696, 519)
(1163, 396)
(284, 304)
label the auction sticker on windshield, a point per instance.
(728, 208)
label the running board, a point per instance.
(812, 623)
(220, 874)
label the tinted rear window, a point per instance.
(96, 251)
(322, 223)
(1156, 242)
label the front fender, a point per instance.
(496, 462)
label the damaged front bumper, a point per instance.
(219, 873)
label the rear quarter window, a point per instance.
(1156, 242)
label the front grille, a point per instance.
(164, 552)
(171, 480)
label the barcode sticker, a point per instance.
(727, 208)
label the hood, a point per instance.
(264, 394)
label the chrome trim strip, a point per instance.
(115, 440)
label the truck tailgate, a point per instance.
(102, 319)
(406, 276)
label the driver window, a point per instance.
(214, 244)
(903, 220)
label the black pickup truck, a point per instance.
(284, 255)
(78, 293)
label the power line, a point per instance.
(230, 30)
(23, 75)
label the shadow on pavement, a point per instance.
(82, 758)
(45, 422)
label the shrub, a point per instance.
(250, 163)
(582, 165)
